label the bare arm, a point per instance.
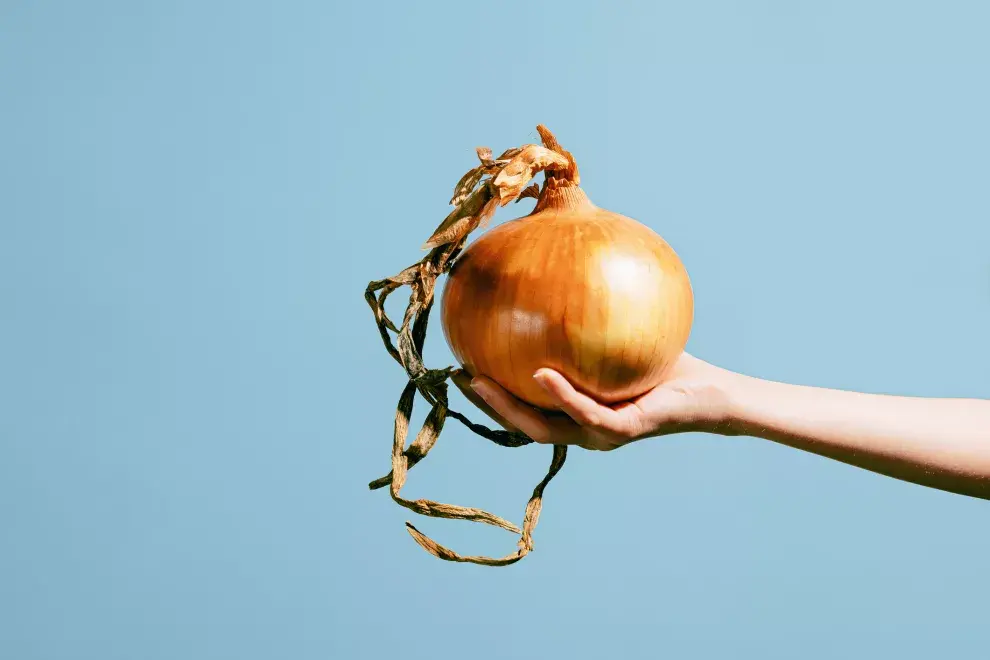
(941, 443)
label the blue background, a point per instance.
(193, 395)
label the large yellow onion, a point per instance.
(595, 295)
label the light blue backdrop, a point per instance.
(193, 395)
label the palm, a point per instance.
(686, 400)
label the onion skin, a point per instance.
(595, 295)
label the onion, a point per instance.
(595, 295)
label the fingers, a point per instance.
(581, 408)
(519, 415)
(585, 422)
(463, 381)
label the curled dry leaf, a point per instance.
(462, 220)
(484, 154)
(487, 212)
(510, 153)
(514, 176)
(507, 182)
(467, 184)
(532, 191)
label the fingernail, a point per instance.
(479, 388)
(540, 379)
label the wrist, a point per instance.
(719, 404)
(741, 413)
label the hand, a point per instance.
(694, 397)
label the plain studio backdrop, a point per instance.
(193, 395)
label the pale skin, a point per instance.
(940, 443)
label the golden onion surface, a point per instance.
(595, 295)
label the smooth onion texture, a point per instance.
(595, 295)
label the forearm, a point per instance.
(942, 443)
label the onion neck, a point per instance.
(564, 196)
(561, 190)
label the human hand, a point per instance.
(694, 397)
